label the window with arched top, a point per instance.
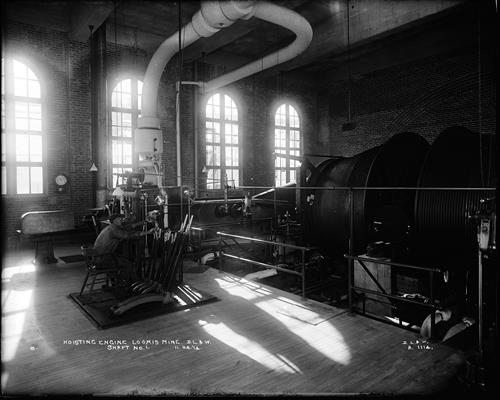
(286, 144)
(222, 142)
(22, 130)
(126, 100)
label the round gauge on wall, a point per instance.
(61, 182)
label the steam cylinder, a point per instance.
(378, 214)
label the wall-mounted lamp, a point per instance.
(93, 168)
(204, 170)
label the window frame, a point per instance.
(223, 144)
(10, 132)
(287, 128)
(134, 112)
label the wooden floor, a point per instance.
(255, 340)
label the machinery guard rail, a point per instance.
(382, 292)
(302, 249)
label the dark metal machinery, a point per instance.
(433, 205)
(416, 198)
(378, 214)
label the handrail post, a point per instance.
(220, 253)
(433, 314)
(351, 248)
(303, 274)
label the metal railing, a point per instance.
(431, 305)
(302, 250)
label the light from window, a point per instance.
(4, 180)
(126, 101)
(4, 155)
(29, 180)
(139, 94)
(22, 137)
(286, 144)
(222, 143)
(117, 178)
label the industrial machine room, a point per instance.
(249, 198)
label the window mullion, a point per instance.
(287, 142)
(222, 140)
(9, 128)
(134, 111)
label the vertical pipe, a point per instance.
(165, 211)
(220, 253)
(275, 207)
(303, 274)
(100, 117)
(351, 248)
(178, 134)
(181, 202)
(480, 307)
(196, 127)
(433, 313)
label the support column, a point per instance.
(99, 113)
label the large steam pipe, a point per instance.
(280, 16)
(213, 16)
(210, 19)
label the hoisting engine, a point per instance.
(406, 201)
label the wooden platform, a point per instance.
(96, 305)
(255, 340)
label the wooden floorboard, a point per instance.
(256, 340)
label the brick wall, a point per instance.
(62, 67)
(47, 53)
(424, 97)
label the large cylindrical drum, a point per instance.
(446, 230)
(396, 163)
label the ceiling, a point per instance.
(365, 25)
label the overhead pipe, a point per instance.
(210, 19)
(280, 16)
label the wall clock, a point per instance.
(61, 183)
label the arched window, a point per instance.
(125, 108)
(22, 134)
(286, 144)
(222, 142)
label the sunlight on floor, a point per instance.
(179, 300)
(397, 321)
(5, 378)
(310, 326)
(249, 348)
(18, 269)
(242, 288)
(15, 304)
(323, 337)
(13, 318)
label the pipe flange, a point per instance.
(213, 14)
(201, 27)
(148, 122)
(238, 9)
